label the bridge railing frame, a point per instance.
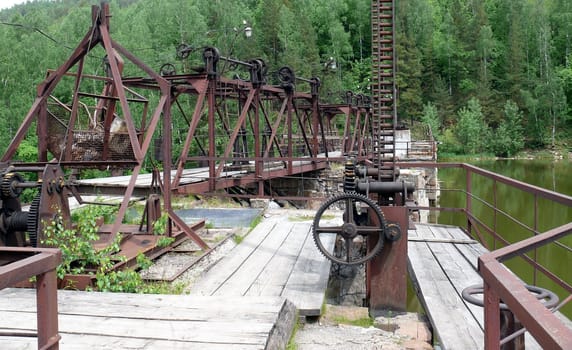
(20, 264)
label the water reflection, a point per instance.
(554, 176)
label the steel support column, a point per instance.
(386, 274)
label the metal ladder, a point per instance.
(383, 88)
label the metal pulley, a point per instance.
(211, 57)
(287, 78)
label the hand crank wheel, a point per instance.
(354, 233)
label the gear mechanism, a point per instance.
(32, 222)
(351, 236)
(8, 185)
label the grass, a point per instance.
(299, 218)
(255, 222)
(209, 225)
(237, 239)
(365, 322)
(291, 342)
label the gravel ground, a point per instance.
(343, 337)
(399, 331)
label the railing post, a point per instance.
(495, 213)
(211, 100)
(47, 304)
(492, 318)
(535, 272)
(469, 199)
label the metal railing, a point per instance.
(20, 264)
(499, 282)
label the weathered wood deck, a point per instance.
(90, 320)
(248, 300)
(443, 262)
(278, 258)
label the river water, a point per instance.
(552, 175)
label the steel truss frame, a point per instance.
(253, 131)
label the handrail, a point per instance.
(500, 283)
(20, 264)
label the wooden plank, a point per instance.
(424, 231)
(272, 280)
(412, 233)
(225, 268)
(453, 324)
(119, 321)
(144, 180)
(243, 279)
(460, 273)
(182, 330)
(457, 261)
(307, 284)
(164, 307)
(95, 342)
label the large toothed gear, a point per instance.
(351, 236)
(8, 186)
(33, 220)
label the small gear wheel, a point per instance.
(8, 188)
(33, 220)
(167, 70)
(183, 51)
(351, 236)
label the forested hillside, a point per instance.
(470, 69)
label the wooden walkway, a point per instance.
(278, 258)
(90, 320)
(188, 176)
(443, 262)
(249, 300)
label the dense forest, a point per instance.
(487, 76)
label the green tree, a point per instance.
(508, 138)
(430, 117)
(471, 130)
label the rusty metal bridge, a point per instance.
(239, 133)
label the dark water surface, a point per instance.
(552, 175)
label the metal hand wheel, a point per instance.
(353, 234)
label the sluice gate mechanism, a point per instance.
(375, 216)
(238, 135)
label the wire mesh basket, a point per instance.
(87, 137)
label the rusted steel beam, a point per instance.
(199, 107)
(235, 132)
(492, 317)
(25, 263)
(545, 327)
(118, 83)
(531, 243)
(386, 274)
(47, 310)
(41, 263)
(275, 129)
(541, 192)
(187, 229)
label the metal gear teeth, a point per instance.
(342, 197)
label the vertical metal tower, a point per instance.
(383, 88)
